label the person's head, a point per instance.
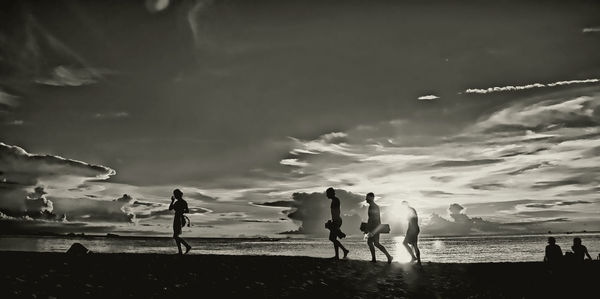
(370, 198)
(330, 192)
(551, 240)
(177, 193)
(577, 241)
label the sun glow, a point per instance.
(401, 255)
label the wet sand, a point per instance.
(58, 275)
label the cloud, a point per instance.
(37, 204)
(461, 223)
(545, 115)
(16, 122)
(528, 86)
(312, 210)
(590, 29)
(293, 162)
(155, 6)
(465, 163)
(111, 115)
(194, 18)
(28, 182)
(428, 97)
(8, 99)
(72, 76)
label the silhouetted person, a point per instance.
(373, 226)
(335, 224)
(180, 206)
(579, 251)
(554, 254)
(412, 233)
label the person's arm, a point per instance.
(171, 206)
(185, 208)
(587, 254)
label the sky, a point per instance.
(483, 115)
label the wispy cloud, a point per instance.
(428, 97)
(8, 99)
(536, 148)
(590, 29)
(70, 76)
(293, 162)
(529, 86)
(111, 115)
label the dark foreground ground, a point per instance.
(47, 275)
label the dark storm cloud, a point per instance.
(313, 210)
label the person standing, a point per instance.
(335, 224)
(373, 226)
(181, 207)
(412, 233)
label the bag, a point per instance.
(185, 219)
(328, 224)
(381, 229)
(363, 227)
(385, 229)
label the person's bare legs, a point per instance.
(410, 250)
(372, 249)
(180, 241)
(417, 252)
(337, 244)
(178, 244)
(378, 245)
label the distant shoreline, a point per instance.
(267, 238)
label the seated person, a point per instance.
(553, 251)
(579, 251)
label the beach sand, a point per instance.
(58, 275)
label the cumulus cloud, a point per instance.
(528, 86)
(28, 182)
(312, 210)
(428, 97)
(460, 223)
(37, 204)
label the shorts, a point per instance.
(373, 239)
(177, 226)
(411, 236)
(335, 230)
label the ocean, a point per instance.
(470, 249)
